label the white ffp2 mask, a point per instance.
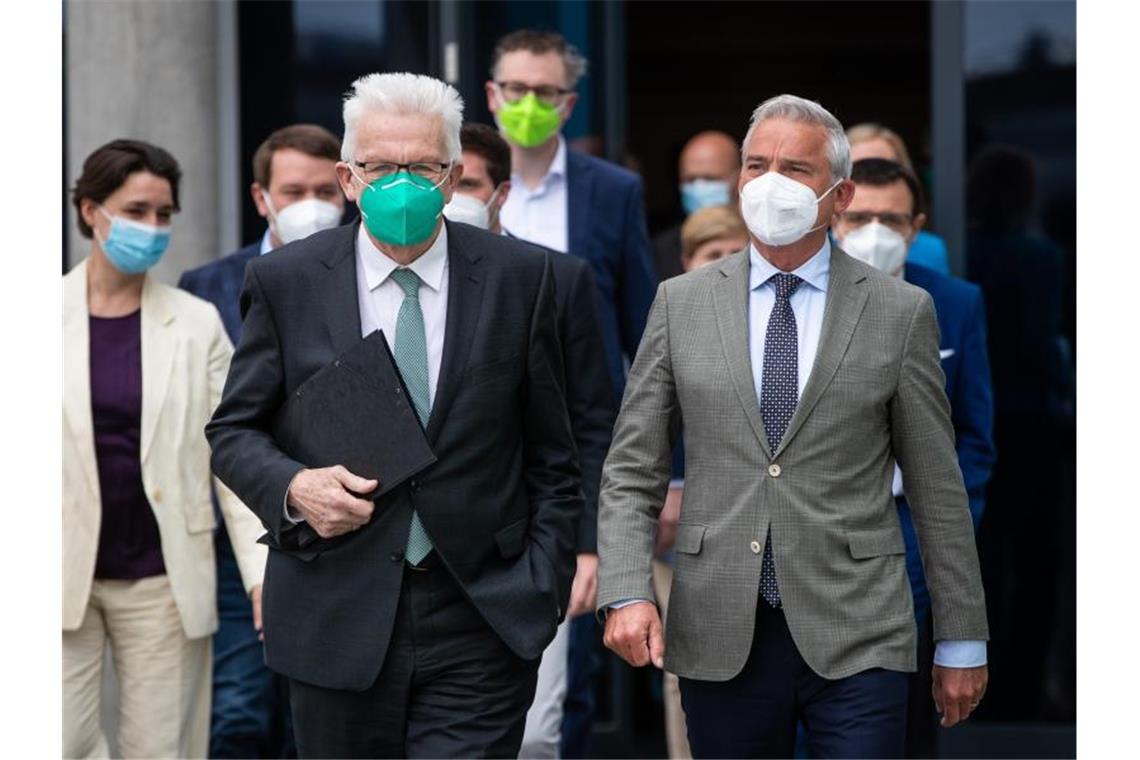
(878, 245)
(303, 218)
(779, 210)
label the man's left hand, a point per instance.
(584, 591)
(255, 600)
(957, 692)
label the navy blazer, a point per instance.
(965, 361)
(219, 282)
(606, 225)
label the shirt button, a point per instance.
(157, 495)
(774, 470)
(755, 547)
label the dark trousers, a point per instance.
(249, 714)
(755, 714)
(581, 682)
(449, 686)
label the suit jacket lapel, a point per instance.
(579, 188)
(159, 347)
(464, 305)
(340, 293)
(731, 308)
(846, 298)
(77, 371)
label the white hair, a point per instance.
(403, 93)
(794, 108)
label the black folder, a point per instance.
(356, 412)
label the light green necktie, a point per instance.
(411, 358)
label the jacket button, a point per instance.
(755, 547)
(774, 470)
(415, 485)
(397, 556)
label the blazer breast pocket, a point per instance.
(865, 544)
(492, 370)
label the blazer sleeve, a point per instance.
(973, 409)
(589, 396)
(242, 525)
(550, 464)
(244, 454)
(922, 438)
(636, 472)
(638, 274)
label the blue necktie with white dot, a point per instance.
(779, 393)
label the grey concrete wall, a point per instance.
(149, 69)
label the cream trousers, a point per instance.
(164, 677)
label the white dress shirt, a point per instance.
(540, 215)
(808, 304)
(379, 298)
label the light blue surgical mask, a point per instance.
(133, 247)
(701, 193)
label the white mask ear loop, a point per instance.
(817, 200)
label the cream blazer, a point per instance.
(185, 357)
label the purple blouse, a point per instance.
(129, 543)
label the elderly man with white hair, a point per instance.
(802, 376)
(412, 625)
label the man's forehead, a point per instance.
(409, 134)
(791, 139)
(894, 197)
(532, 68)
(473, 163)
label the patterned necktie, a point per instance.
(779, 392)
(412, 360)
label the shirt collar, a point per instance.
(557, 168)
(429, 267)
(814, 271)
(266, 243)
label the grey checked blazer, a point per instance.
(875, 394)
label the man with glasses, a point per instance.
(413, 625)
(879, 227)
(590, 208)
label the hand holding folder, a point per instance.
(356, 413)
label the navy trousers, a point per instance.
(585, 662)
(249, 716)
(755, 714)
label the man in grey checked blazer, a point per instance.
(790, 599)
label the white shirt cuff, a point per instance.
(960, 654)
(292, 515)
(625, 603)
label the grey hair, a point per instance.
(403, 93)
(795, 108)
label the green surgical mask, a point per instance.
(401, 209)
(528, 121)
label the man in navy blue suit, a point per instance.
(589, 208)
(878, 227)
(295, 189)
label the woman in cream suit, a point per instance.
(144, 366)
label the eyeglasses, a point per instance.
(897, 222)
(547, 93)
(429, 170)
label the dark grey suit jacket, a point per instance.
(875, 395)
(502, 502)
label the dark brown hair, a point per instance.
(488, 144)
(879, 172)
(106, 169)
(310, 139)
(538, 42)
